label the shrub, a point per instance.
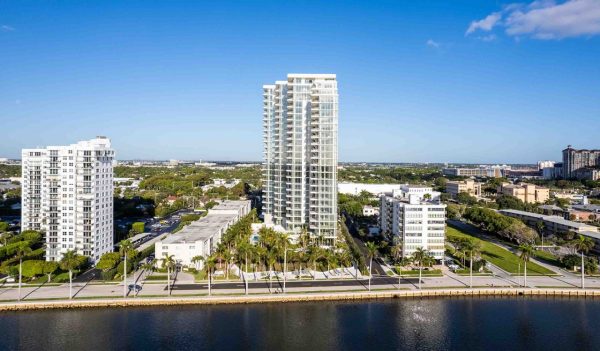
(138, 227)
(108, 261)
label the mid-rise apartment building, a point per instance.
(527, 193)
(300, 130)
(575, 162)
(67, 193)
(468, 186)
(415, 222)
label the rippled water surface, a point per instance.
(403, 324)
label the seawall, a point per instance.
(282, 298)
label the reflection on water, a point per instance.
(427, 324)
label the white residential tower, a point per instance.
(300, 123)
(67, 193)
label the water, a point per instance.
(402, 324)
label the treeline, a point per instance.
(389, 174)
(501, 225)
(353, 204)
(8, 171)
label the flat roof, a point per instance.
(209, 225)
(553, 219)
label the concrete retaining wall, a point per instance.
(213, 300)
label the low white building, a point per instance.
(414, 222)
(201, 237)
(369, 210)
(420, 192)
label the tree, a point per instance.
(124, 248)
(169, 263)
(527, 251)
(197, 259)
(138, 227)
(466, 199)
(474, 248)
(371, 252)
(21, 252)
(583, 245)
(421, 257)
(397, 252)
(3, 227)
(210, 264)
(69, 262)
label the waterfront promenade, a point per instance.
(449, 283)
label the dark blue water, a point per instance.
(403, 324)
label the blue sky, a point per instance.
(429, 81)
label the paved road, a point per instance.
(377, 269)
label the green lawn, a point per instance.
(499, 256)
(425, 273)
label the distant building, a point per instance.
(468, 186)
(67, 193)
(375, 189)
(480, 172)
(576, 161)
(201, 237)
(545, 164)
(369, 210)
(418, 191)
(415, 222)
(554, 172)
(527, 193)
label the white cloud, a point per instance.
(432, 43)
(485, 24)
(547, 19)
(7, 28)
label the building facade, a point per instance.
(300, 134)
(496, 171)
(468, 186)
(527, 193)
(415, 223)
(201, 237)
(67, 193)
(575, 161)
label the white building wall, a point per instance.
(68, 194)
(415, 224)
(300, 125)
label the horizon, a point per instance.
(427, 82)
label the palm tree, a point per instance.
(527, 251)
(168, 262)
(540, 228)
(21, 252)
(314, 254)
(149, 266)
(421, 257)
(404, 261)
(583, 245)
(243, 250)
(371, 252)
(397, 252)
(271, 259)
(124, 247)
(197, 259)
(210, 264)
(69, 262)
(474, 248)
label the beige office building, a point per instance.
(527, 193)
(468, 186)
